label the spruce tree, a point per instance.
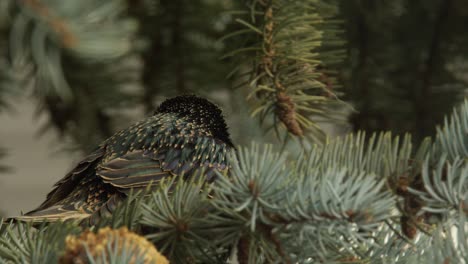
(297, 195)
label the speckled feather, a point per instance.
(185, 133)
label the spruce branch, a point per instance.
(266, 193)
(180, 221)
(21, 243)
(445, 187)
(288, 80)
(442, 187)
(452, 138)
(448, 244)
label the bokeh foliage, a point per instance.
(406, 63)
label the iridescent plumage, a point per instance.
(184, 134)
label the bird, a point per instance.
(184, 134)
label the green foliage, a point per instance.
(451, 138)
(183, 223)
(360, 199)
(280, 204)
(454, 246)
(446, 186)
(291, 47)
(21, 243)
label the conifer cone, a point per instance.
(184, 134)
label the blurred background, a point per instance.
(74, 72)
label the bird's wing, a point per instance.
(117, 176)
(136, 170)
(52, 207)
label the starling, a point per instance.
(184, 134)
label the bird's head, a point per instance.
(200, 112)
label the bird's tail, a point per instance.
(64, 213)
(51, 214)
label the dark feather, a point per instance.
(133, 170)
(66, 185)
